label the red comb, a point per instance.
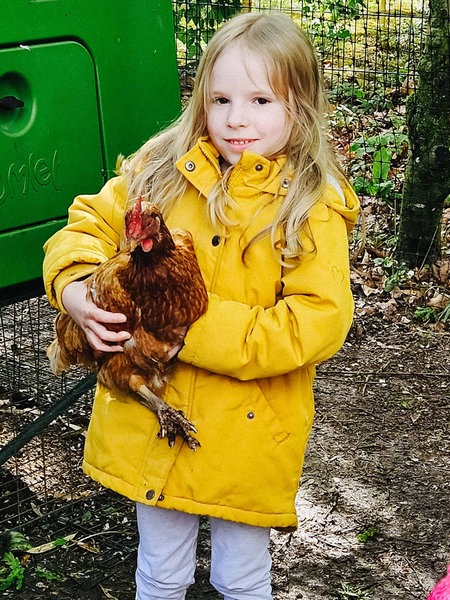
(134, 222)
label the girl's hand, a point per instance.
(93, 320)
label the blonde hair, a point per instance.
(295, 77)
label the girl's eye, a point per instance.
(262, 101)
(221, 100)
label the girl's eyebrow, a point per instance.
(255, 92)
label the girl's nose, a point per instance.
(236, 116)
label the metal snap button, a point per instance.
(189, 166)
(250, 415)
(259, 167)
(150, 494)
(160, 498)
(216, 240)
(285, 184)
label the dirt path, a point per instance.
(374, 499)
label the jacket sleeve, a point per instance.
(306, 326)
(91, 236)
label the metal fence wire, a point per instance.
(369, 52)
(373, 46)
(43, 493)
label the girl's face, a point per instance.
(244, 113)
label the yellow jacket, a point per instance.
(246, 371)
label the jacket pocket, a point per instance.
(259, 408)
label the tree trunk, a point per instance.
(427, 177)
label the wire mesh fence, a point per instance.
(36, 471)
(373, 46)
(43, 493)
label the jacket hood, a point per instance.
(201, 166)
(342, 198)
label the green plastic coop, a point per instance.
(80, 82)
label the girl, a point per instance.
(247, 170)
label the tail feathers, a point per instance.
(70, 347)
(57, 365)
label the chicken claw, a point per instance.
(173, 423)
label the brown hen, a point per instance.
(156, 282)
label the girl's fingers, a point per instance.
(102, 345)
(104, 340)
(104, 316)
(94, 320)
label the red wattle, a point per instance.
(147, 245)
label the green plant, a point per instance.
(354, 95)
(378, 152)
(329, 21)
(369, 533)
(431, 314)
(444, 315)
(195, 24)
(86, 517)
(12, 575)
(426, 314)
(396, 273)
(47, 575)
(347, 592)
(17, 541)
(401, 402)
(342, 117)
(59, 542)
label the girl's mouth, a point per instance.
(235, 142)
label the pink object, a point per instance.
(441, 590)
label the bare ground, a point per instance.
(373, 504)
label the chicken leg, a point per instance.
(172, 422)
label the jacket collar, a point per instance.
(201, 167)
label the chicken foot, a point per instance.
(172, 421)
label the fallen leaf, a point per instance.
(51, 545)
